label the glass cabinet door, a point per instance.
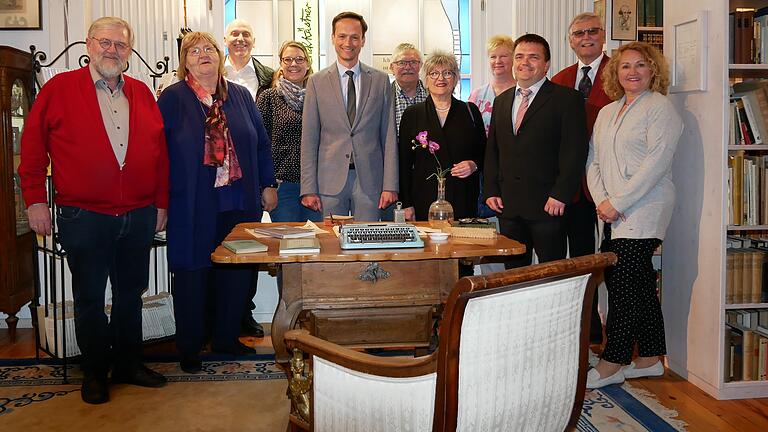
(19, 110)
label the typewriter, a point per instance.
(379, 236)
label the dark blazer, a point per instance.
(596, 101)
(597, 97)
(545, 159)
(193, 205)
(461, 138)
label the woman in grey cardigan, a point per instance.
(628, 171)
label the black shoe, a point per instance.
(191, 364)
(139, 375)
(250, 327)
(239, 349)
(95, 389)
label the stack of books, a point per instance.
(746, 345)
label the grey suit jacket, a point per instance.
(327, 139)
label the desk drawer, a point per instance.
(380, 327)
(329, 285)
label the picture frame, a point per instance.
(624, 20)
(689, 55)
(599, 10)
(21, 15)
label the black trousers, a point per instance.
(546, 236)
(634, 311)
(98, 247)
(223, 287)
(580, 223)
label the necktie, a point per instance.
(351, 97)
(525, 93)
(585, 85)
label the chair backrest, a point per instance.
(513, 348)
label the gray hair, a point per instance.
(402, 48)
(440, 58)
(584, 17)
(111, 22)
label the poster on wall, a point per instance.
(20, 15)
(599, 9)
(624, 20)
(306, 29)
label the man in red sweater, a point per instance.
(586, 37)
(102, 133)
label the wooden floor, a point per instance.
(700, 411)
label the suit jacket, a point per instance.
(597, 97)
(462, 137)
(264, 74)
(327, 139)
(595, 102)
(547, 156)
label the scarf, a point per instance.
(219, 149)
(293, 94)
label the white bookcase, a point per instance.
(695, 247)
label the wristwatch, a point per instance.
(271, 185)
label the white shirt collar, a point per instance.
(595, 65)
(343, 69)
(535, 87)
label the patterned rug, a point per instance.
(244, 391)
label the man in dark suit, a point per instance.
(535, 156)
(586, 37)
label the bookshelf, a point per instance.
(695, 249)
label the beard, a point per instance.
(109, 68)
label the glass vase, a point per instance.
(440, 211)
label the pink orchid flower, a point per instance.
(433, 147)
(421, 137)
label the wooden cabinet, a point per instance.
(17, 251)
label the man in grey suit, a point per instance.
(348, 138)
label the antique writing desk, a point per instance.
(364, 298)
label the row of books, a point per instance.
(650, 13)
(747, 189)
(748, 36)
(746, 345)
(746, 271)
(748, 113)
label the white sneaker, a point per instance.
(656, 370)
(594, 381)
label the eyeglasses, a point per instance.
(106, 43)
(590, 31)
(298, 60)
(404, 63)
(196, 51)
(446, 74)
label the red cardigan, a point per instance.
(65, 124)
(596, 101)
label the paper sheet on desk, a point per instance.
(309, 226)
(313, 226)
(423, 231)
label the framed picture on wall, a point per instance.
(624, 20)
(599, 10)
(20, 15)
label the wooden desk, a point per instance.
(364, 298)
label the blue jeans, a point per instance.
(98, 247)
(289, 208)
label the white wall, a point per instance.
(694, 247)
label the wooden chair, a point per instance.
(512, 356)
